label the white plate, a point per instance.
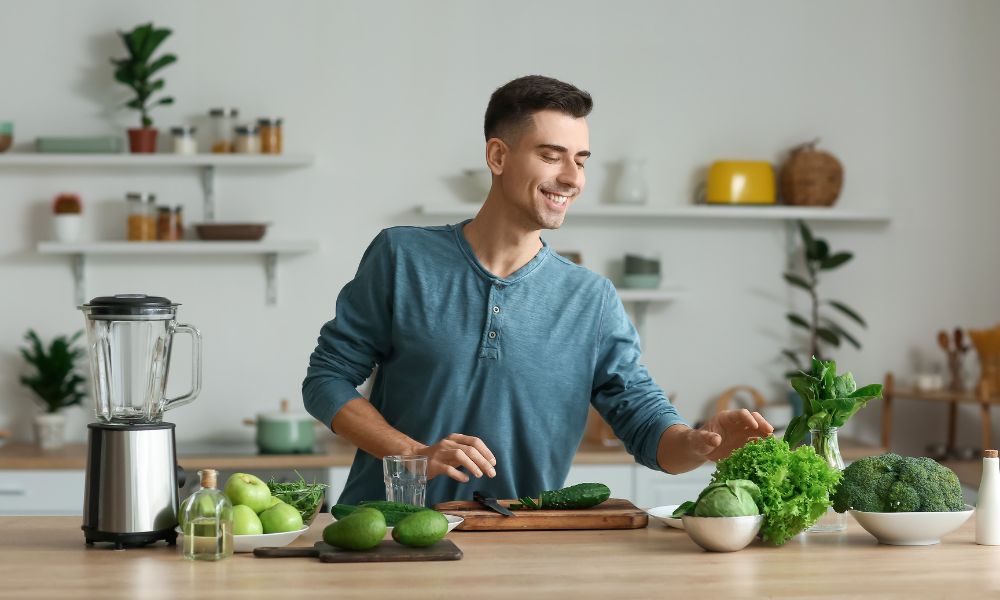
(453, 522)
(246, 543)
(662, 514)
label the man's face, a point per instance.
(543, 173)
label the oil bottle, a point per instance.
(207, 521)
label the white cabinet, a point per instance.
(654, 488)
(620, 478)
(336, 478)
(42, 492)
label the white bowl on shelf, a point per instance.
(911, 528)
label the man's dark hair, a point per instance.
(512, 105)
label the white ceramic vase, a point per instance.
(631, 187)
(50, 430)
(67, 227)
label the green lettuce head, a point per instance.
(733, 498)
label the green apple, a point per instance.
(248, 490)
(274, 500)
(280, 518)
(246, 521)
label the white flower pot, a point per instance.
(50, 430)
(67, 227)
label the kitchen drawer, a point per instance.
(655, 488)
(43, 492)
(620, 478)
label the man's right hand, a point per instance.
(458, 451)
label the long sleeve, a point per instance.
(357, 339)
(624, 393)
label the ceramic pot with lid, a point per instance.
(284, 431)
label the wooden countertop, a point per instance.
(334, 453)
(45, 557)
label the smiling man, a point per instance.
(490, 346)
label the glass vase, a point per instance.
(824, 442)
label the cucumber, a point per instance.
(581, 495)
(393, 512)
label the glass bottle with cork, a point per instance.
(207, 521)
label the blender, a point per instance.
(132, 476)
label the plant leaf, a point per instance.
(159, 63)
(807, 237)
(873, 390)
(792, 357)
(828, 336)
(797, 320)
(796, 432)
(832, 262)
(796, 280)
(820, 250)
(847, 310)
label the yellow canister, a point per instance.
(740, 182)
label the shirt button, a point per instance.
(493, 334)
(496, 309)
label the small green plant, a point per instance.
(820, 327)
(138, 69)
(55, 381)
(828, 401)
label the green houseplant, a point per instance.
(55, 382)
(136, 71)
(820, 325)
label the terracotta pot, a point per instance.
(142, 141)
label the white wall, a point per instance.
(390, 95)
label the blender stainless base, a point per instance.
(132, 480)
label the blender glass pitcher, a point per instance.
(129, 339)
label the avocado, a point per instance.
(361, 530)
(421, 529)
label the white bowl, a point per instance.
(911, 528)
(246, 543)
(663, 515)
(722, 534)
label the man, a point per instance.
(490, 346)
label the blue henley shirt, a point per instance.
(514, 361)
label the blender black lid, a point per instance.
(130, 305)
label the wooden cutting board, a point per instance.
(613, 513)
(386, 551)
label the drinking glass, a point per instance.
(405, 479)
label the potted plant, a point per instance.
(136, 71)
(55, 382)
(821, 328)
(67, 216)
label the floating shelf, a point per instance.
(267, 249)
(612, 211)
(640, 299)
(205, 163)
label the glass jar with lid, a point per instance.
(246, 140)
(183, 141)
(270, 135)
(223, 120)
(141, 216)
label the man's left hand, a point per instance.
(728, 430)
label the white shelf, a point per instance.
(28, 159)
(652, 295)
(182, 247)
(612, 211)
(205, 163)
(269, 250)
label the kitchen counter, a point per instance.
(45, 557)
(192, 456)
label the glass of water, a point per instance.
(405, 479)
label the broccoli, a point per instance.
(893, 483)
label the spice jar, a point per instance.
(141, 216)
(178, 223)
(222, 125)
(183, 140)
(166, 229)
(247, 141)
(270, 135)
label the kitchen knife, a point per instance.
(492, 504)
